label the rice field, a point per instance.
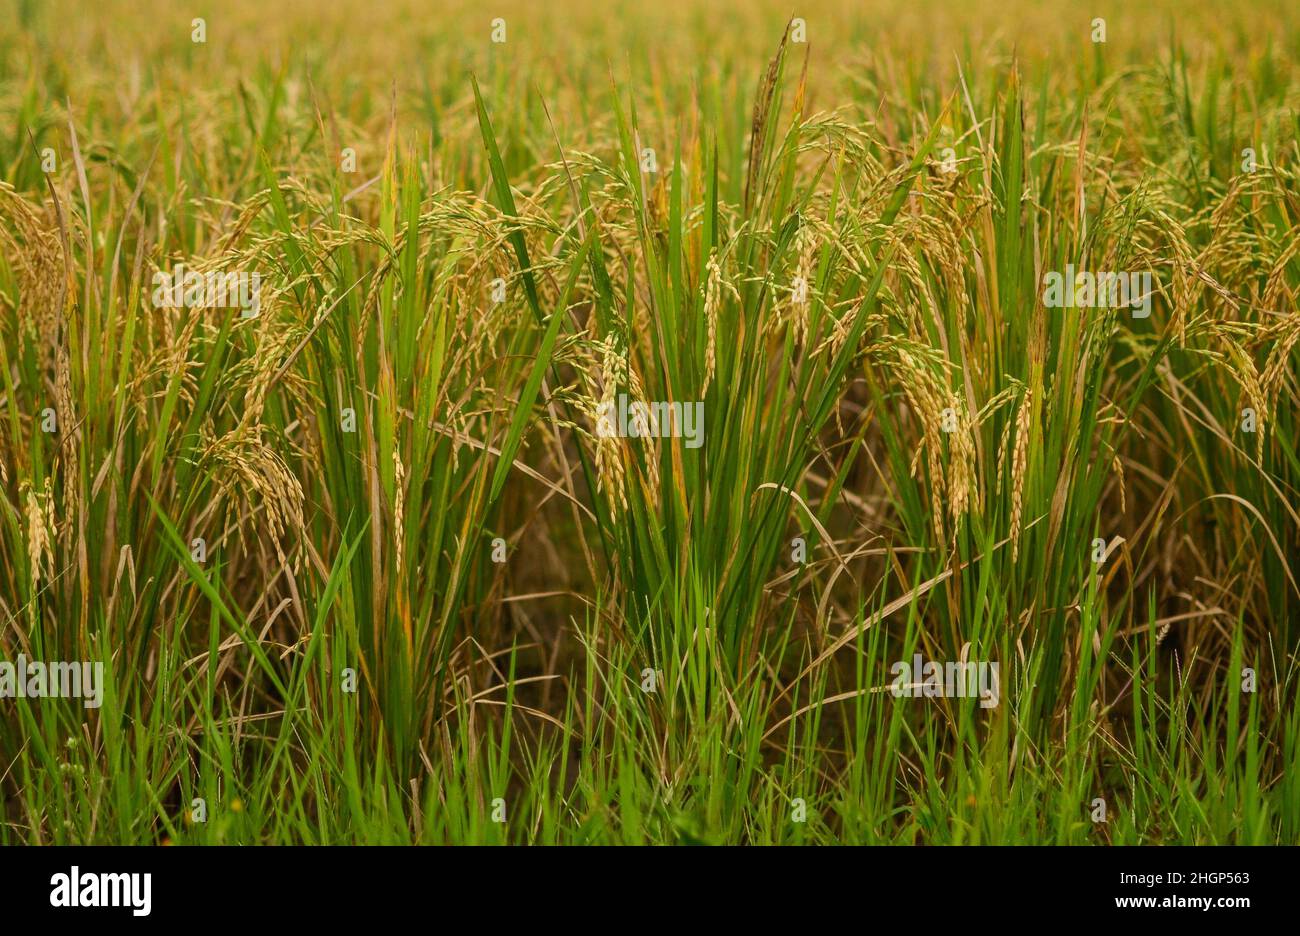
(620, 423)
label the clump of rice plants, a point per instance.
(649, 424)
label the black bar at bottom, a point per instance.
(334, 886)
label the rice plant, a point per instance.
(595, 423)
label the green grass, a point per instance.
(839, 252)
